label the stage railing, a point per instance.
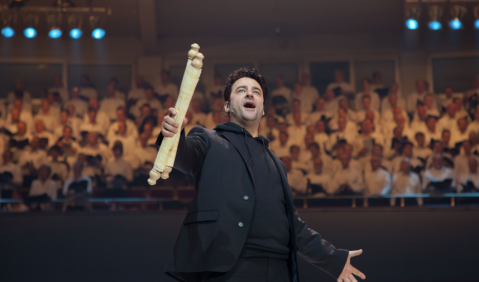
(303, 202)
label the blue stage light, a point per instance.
(76, 33)
(476, 23)
(8, 31)
(435, 25)
(412, 24)
(55, 33)
(30, 32)
(455, 24)
(98, 33)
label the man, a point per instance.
(132, 130)
(101, 117)
(19, 93)
(149, 99)
(281, 91)
(438, 178)
(367, 91)
(60, 89)
(413, 98)
(339, 86)
(8, 166)
(307, 94)
(86, 91)
(296, 130)
(347, 180)
(50, 119)
(22, 114)
(405, 182)
(469, 181)
(166, 88)
(81, 107)
(449, 120)
(241, 209)
(377, 181)
(393, 90)
(296, 108)
(137, 91)
(111, 103)
(320, 182)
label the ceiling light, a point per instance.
(476, 17)
(31, 21)
(75, 23)
(96, 23)
(457, 14)
(53, 21)
(435, 14)
(413, 12)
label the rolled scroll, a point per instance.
(167, 153)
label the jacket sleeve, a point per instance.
(318, 251)
(191, 150)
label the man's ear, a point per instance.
(226, 107)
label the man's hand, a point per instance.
(169, 127)
(349, 270)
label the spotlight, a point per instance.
(96, 23)
(7, 23)
(31, 21)
(8, 31)
(30, 32)
(53, 21)
(413, 13)
(55, 33)
(76, 33)
(457, 13)
(98, 33)
(75, 22)
(435, 14)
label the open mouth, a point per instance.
(249, 105)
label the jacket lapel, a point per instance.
(241, 148)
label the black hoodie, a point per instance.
(268, 235)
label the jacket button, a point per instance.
(245, 198)
(240, 224)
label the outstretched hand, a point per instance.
(349, 270)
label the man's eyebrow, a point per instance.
(244, 86)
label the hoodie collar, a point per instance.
(236, 128)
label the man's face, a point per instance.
(94, 104)
(283, 138)
(421, 112)
(296, 106)
(462, 124)
(420, 140)
(318, 166)
(92, 138)
(294, 153)
(21, 128)
(18, 104)
(297, 118)
(39, 126)
(366, 126)
(45, 105)
(120, 115)
(420, 86)
(377, 150)
(139, 81)
(320, 127)
(342, 124)
(375, 163)
(393, 100)
(446, 137)
(431, 124)
(437, 161)
(43, 173)
(405, 168)
(92, 116)
(428, 101)
(467, 147)
(398, 132)
(366, 103)
(67, 132)
(308, 139)
(407, 151)
(246, 100)
(449, 92)
(320, 105)
(15, 115)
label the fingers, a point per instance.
(355, 253)
(358, 273)
(351, 277)
(346, 279)
(172, 112)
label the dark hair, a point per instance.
(149, 88)
(314, 144)
(241, 73)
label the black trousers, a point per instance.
(253, 270)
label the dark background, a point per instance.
(412, 244)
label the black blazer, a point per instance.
(216, 225)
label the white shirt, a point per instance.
(359, 142)
(38, 188)
(280, 151)
(406, 184)
(119, 167)
(170, 89)
(461, 164)
(110, 105)
(145, 154)
(290, 118)
(26, 117)
(36, 157)
(385, 105)
(447, 122)
(81, 107)
(101, 118)
(284, 92)
(438, 175)
(101, 150)
(397, 163)
(343, 85)
(322, 139)
(387, 115)
(88, 92)
(322, 179)
(88, 127)
(350, 177)
(63, 92)
(49, 120)
(128, 142)
(458, 136)
(377, 182)
(412, 101)
(308, 97)
(347, 135)
(465, 177)
(131, 130)
(375, 103)
(297, 181)
(45, 134)
(15, 170)
(422, 153)
(136, 93)
(26, 101)
(316, 115)
(296, 134)
(69, 181)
